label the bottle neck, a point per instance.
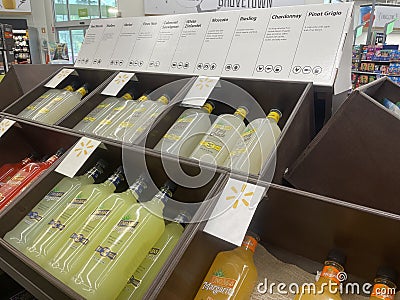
(93, 174)
(331, 272)
(137, 188)
(383, 289)
(52, 159)
(113, 181)
(27, 161)
(249, 244)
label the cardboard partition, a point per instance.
(44, 285)
(22, 78)
(381, 89)
(94, 78)
(354, 157)
(294, 100)
(296, 226)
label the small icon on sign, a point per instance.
(121, 62)
(269, 68)
(297, 70)
(95, 61)
(260, 68)
(83, 148)
(317, 70)
(307, 70)
(174, 65)
(151, 64)
(141, 63)
(199, 66)
(157, 64)
(228, 67)
(278, 69)
(99, 61)
(213, 66)
(186, 65)
(180, 65)
(111, 62)
(240, 196)
(131, 63)
(236, 67)
(136, 63)
(87, 61)
(206, 66)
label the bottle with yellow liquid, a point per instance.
(73, 215)
(384, 287)
(134, 122)
(188, 130)
(328, 285)
(9, 4)
(59, 106)
(232, 275)
(36, 105)
(101, 110)
(114, 260)
(256, 145)
(220, 139)
(69, 253)
(145, 274)
(38, 218)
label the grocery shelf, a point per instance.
(365, 73)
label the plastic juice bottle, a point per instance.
(220, 139)
(7, 171)
(384, 287)
(38, 218)
(78, 247)
(73, 215)
(59, 106)
(144, 112)
(391, 106)
(328, 285)
(186, 133)
(23, 178)
(30, 110)
(257, 143)
(101, 109)
(145, 274)
(232, 275)
(115, 259)
(102, 124)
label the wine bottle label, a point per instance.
(79, 238)
(103, 105)
(33, 215)
(106, 252)
(57, 99)
(106, 122)
(89, 119)
(56, 224)
(135, 282)
(125, 125)
(53, 196)
(218, 284)
(211, 145)
(172, 137)
(100, 214)
(330, 272)
(44, 97)
(30, 107)
(185, 120)
(384, 292)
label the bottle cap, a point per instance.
(60, 152)
(140, 184)
(208, 107)
(164, 99)
(101, 164)
(72, 86)
(127, 96)
(275, 114)
(169, 187)
(144, 97)
(84, 89)
(387, 273)
(242, 111)
(182, 218)
(118, 176)
(387, 103)
(336, 256)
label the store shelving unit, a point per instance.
(22, 47)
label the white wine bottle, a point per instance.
(220, 139)
(186, 133)
(59, 106)
(102, 109)
(257, 143)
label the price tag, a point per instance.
(200, 91)
(56, 80)
(76, 158)
(5, 124)
(234, 211)
(114, 87)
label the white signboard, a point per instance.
(385, 14)
(298, 43)
(157, 7)
(15, 6)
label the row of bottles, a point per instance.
(233, 275)
(53, 105)
(16, 177)
(125, 118)
(226, 142)
(395, 108)
(99, 242)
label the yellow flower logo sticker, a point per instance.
(84, 148)
(204, 83)
(240, 197)
(122, 78)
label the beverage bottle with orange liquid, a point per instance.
(7, 171)
(328, 285)
(232, 275)
(384, 287)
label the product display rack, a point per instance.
(22, 47)
(296, 223)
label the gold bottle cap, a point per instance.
(83, 91)
(275, 115)
(208, 107)
(69, 88)
(163, 99)
(242, 111)
(143, 98)
(127, 96)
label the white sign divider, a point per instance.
(295, 43)
(56, 80)
(118, 83)
(5, 125)
(200, 91)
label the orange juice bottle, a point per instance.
(328, 285)
(232, 275)
(384, 284)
